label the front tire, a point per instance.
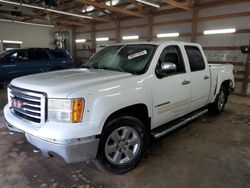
(218, 105)
(121, 145)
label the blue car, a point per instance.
(20, 62)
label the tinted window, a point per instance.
(18, 56)
(58, 54)
(37, 55)
(195, 58)
(172, 54)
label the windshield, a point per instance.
(132, 58)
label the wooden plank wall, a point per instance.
(191, 26)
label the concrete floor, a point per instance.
(210, 152)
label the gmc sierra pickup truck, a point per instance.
(110, 108)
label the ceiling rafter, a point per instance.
(141, 9)
(183, 5)
(113, 8)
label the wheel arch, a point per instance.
(139, 111)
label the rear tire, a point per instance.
(218, 105)
(121, 145)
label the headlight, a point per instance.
(65, 110)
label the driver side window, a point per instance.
(172, 54)
(18, 56)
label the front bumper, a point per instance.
(72, 151)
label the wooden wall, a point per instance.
(209, 14)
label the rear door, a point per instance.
(172, 93)
(60, 60)
(200, 76)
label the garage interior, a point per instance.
(212, 151)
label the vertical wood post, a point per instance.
(93, 37)
(246, 75)
(73, 50)
(117, 32)
(150, 27)
(195, 22)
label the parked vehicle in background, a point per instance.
(20, 62)
(123, 96)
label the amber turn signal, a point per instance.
(77, 110)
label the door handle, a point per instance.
(185, 82)
(206, 77)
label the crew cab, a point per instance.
(111, 107)
(20, 62)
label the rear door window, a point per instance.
(35, 55)
(58, 54)
(195, 58)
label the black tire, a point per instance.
(218, 105)
(108, 158)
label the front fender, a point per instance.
(105, 105)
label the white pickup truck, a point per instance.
(111, 107)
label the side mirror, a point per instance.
(166, 68)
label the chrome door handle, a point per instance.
(206, 77)
(185, 82)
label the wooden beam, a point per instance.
(117, 32)
(224, 16)
(150, 27)
(194, 21)
(139, 7)
(184, 6)
(93, 37)
(114, 9)
(174, 22)
(220, 3)
(73, 29)
(221, 48)
(71, 22)
(246, 75)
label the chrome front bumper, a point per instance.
(73, 152)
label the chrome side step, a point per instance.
(179, 124)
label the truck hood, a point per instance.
(61, 84)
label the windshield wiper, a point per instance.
(87, 66)
(114, 69)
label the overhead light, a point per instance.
(46, 9)
(68, 13)
(26, 23)
(102, 39)
(148, 3)
(12, 42)
(80, 40)
(130, 37)
(10, 2)
(112, 2)
(88, 9)
(163, 35)
(33, 6)
(219, 31)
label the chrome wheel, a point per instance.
(221, 100)
(122, 145)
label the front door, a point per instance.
(15, 65)
(171, 93)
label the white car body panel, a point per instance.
(106, 92)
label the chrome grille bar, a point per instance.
(29, 105)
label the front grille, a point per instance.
(27, 104)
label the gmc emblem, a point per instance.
(16, 103)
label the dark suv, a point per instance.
(20, 62)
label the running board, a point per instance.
(169, 127)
